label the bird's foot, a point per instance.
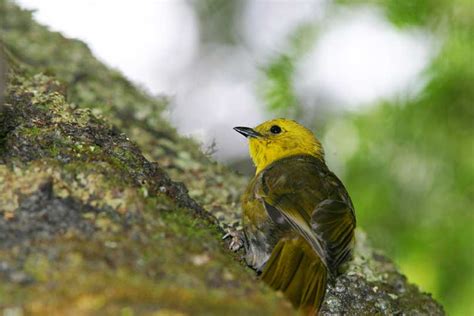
(238, 239)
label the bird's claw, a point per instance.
(237, 240)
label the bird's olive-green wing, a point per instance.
(303, 192)
(333, 222)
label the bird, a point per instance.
(298, 219)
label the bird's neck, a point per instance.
(264, 156)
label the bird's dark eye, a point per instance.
(275, 129)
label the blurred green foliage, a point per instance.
(276, 88)
(410, 172)
(217, 20)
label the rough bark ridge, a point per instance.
(91, 221)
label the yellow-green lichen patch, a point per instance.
(92, 184)
(89, 226)
(90, 84)
(42, 125)
(13, 186)
(163, 260)
(87, 82)
(370, 285)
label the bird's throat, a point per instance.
(265, 153)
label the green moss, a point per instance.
(164, 259)
(32, 132)
(89, 84)
(133, 247)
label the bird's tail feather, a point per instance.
(297, 271)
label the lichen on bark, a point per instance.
(81, 206)
(104, 208)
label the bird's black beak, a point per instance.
(247, 131)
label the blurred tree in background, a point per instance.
(409, 164)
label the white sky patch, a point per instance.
(216, 95)
(152, 42)
(266, 25)
(361, 58)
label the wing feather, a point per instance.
(314, 204)
(300, 223)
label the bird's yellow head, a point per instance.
(277, 139)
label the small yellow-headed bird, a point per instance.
(298, 218)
